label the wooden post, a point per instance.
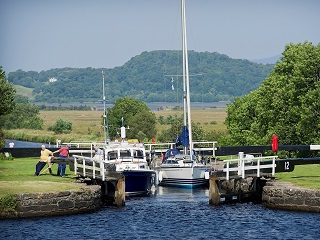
(214, 194)
(120, 193)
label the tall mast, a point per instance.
(185, 70)
(105, 118)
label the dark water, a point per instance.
(170, 213)
(24, 144)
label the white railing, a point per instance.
(80, 144)
(314, 147)
(97, 169)
(250, 162)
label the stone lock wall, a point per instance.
(86, 199)
(286, 196)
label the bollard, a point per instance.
(120, 193)
(214, 194)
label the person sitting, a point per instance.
(44, 159)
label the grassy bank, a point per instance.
(307, 176)
(16, 176)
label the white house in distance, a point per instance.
(52, 80)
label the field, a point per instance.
(87, 125)
(210, 118)
(83, 122)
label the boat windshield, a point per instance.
(138, 153)
(171, 152)
(170, 162)
(125, 153)
(112, 155)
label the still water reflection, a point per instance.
(170, 213)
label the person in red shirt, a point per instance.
(63, 153)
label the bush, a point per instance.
(61, 126)
(8, 205)
(23, 116)
(6, 156)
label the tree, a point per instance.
(61, 126)
(7, 103)
(23, 116)
(143, 123)
(7, 94)
(135, 114)
(170, 135)
(287, 103)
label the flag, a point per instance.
(183, 138)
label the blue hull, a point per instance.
(139, 182)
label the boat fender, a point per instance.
(206, 174)
(160, 176)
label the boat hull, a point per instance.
(186, 177)
(138, 182)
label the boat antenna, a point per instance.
(105, 113)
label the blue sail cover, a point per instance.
(183, 138)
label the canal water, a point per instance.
(170, 213)
(24, 144)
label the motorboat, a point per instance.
(129, 157)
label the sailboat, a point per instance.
(182, 168)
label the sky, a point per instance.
(40, 35)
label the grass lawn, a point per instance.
(16, 176)
(307, 176)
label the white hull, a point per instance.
(188, 177)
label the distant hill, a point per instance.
(24, 91)
(270, 60)
(150, 77)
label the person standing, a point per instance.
(11, 144)
(63, 153)
(44, 159)
(98, 153)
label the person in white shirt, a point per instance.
(11, 144)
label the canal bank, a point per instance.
(286, 196)
(85, 199)
(276, 195)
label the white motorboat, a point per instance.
(129, 157)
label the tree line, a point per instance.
(150, 77)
